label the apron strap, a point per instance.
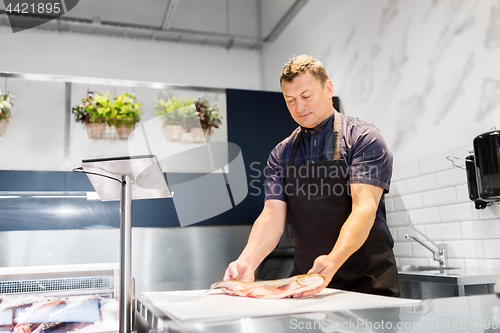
(294, 149)
(335, 140)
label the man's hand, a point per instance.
(325, 266)
(239, 270)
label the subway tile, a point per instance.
(424, 215)
(413, 261)
(394, 233)
(435, 163)
(490, 212)
(452, 262)
(491, 248)
(461, 154)
(465, 249)
(397, 219)
(462, 193)
(408, 201)
(402, 249)
(458, 263)
(421, 183)
(402, 231)
(480, 229)
(458, 212)
(455, 176)
(389, 205)
(405, 171)
(419, 250)
(397, 189)
(482, 263)
(443, 231)
(439, 197)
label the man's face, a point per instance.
(308, 102)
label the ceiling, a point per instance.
(226, 23)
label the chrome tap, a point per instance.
(440, 253)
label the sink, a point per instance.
(415, 268)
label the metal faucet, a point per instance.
(440, 255)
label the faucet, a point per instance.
(440, 255)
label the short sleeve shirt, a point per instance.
(361, 147)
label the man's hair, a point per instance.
(299, 65)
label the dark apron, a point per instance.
(319, 202)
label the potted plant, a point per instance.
(125, 113)
(5, 106)
(174, 114)
(98, 110)
(209, 118)
(92, 113)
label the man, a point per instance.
(331, 174)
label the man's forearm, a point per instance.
(353, 234)
(265, 235)
(356, 228)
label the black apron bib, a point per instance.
(319, 202)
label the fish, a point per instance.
(273, 288)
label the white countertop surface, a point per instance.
(215, 305)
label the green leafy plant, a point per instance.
(125, 111)
(173, 109)
(101, 108)
(5, 105)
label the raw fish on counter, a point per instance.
(273, 288)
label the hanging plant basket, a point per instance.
(187, 121)
(4, 124)
(105, 132)
(96, 131)
(108, 118)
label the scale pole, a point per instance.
(125, 256)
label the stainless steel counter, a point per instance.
(457, 314)
(447, 283)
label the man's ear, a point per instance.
(329, 88)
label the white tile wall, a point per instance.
(402, 231)
(432, 194)
(483, 229)
(397, 188)
(389, 204)
(462, 193)
(408, 201)
(435, 163)
(491, 248)
(459, 212)
(421, 183)
(443, 231)
(405, 171)
(402, 249)
(425, 215)
(455, 176)
(439, 197)
(482, 263)
(397, 219)
(465, 249)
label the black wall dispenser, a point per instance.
(483, 169)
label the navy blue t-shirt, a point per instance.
(361, 146)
